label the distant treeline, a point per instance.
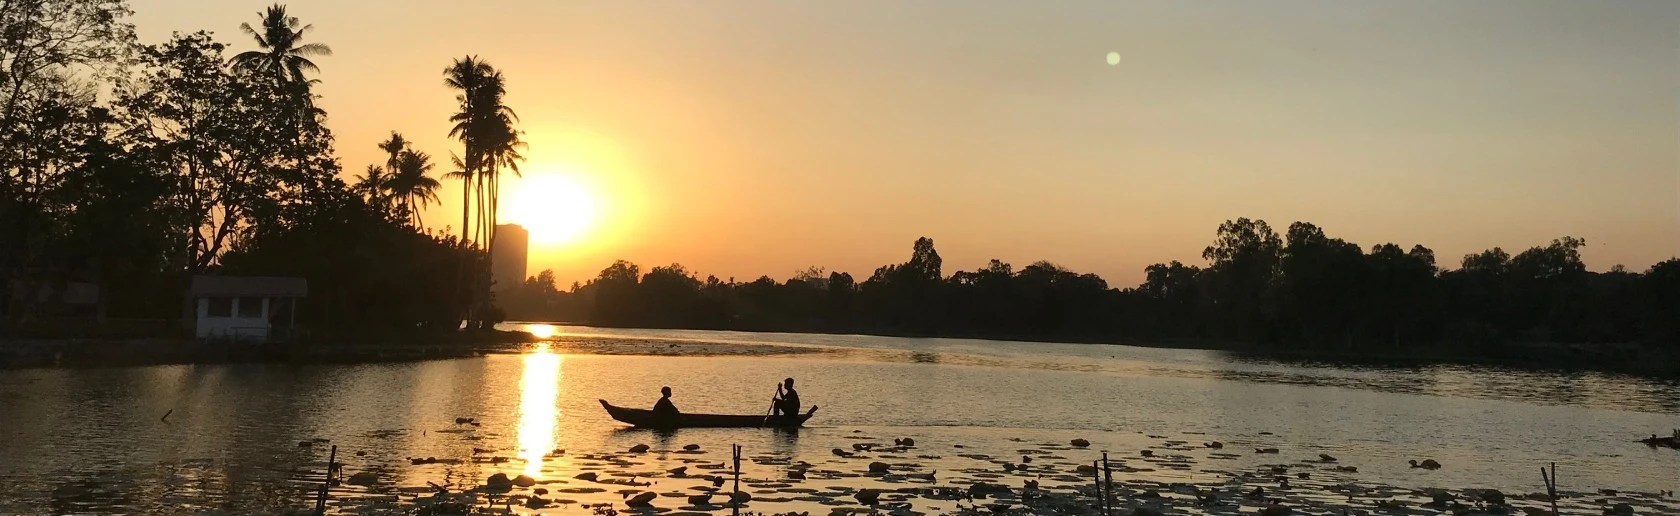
(1301, 289)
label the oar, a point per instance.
(772, 410)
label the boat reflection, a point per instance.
(539, 390)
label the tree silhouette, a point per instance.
(372, 184)
(393, 147)
(412, 185)
(484, 125)
(281, 53)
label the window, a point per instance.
(221, 307)
(250, 307)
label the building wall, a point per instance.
(507, 260)
(234, 327)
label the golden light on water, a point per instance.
(541, 331)
(539, 390)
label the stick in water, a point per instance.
(166, 415)
(1551, 486)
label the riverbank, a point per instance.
(17, 353)
(388, 347)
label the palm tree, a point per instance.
(393, 148)
(411, 185)
(485, 127)
(502, 150)
(373, 184)
(281, 53)
(283, 57)
(468, 75)
(465, 175)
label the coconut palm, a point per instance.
(373, 184)
(282, 54)
(485, 126)
(468, 75)
(502, 151)
(411, 185)
(393, 148)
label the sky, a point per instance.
(752, 138)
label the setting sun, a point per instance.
(555, 208)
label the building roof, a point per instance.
(235, 286)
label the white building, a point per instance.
(246, 308)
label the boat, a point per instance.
(642, 418)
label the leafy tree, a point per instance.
(50, 51)
(215, 132)
(1244, 262)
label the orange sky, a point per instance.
(760, 137)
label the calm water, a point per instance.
(91, 440)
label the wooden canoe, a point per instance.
(642, 418)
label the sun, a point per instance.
(555, 208)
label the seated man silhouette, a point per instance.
(664, 409)
(789, 403)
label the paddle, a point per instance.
(773, 402)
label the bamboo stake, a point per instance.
(321, 497)
(1096, 481)
(1108, 487)
(1551, 486)
(734, 498)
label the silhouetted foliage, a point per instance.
(1304, 290)
(198, 164)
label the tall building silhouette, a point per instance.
(507, 260)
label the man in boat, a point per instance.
(663, 408)
(789, 403)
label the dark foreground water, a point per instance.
(91, 440)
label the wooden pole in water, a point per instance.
(1551, 486)
(1108, 487)
(321, 497)
(734, 498)
(1096, 481)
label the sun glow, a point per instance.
(554, 207)
(541, 331)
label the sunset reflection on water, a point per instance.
(539, 388)
(541, 331)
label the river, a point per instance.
(95, 440)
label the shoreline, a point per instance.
(349, 347)
(97, 352)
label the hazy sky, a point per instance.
(746, 138)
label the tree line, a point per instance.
(137, 166)
(1301, 289)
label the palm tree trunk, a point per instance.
(466, 190)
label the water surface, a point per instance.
(92, 439)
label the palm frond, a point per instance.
(312, 49)
(246, 28)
